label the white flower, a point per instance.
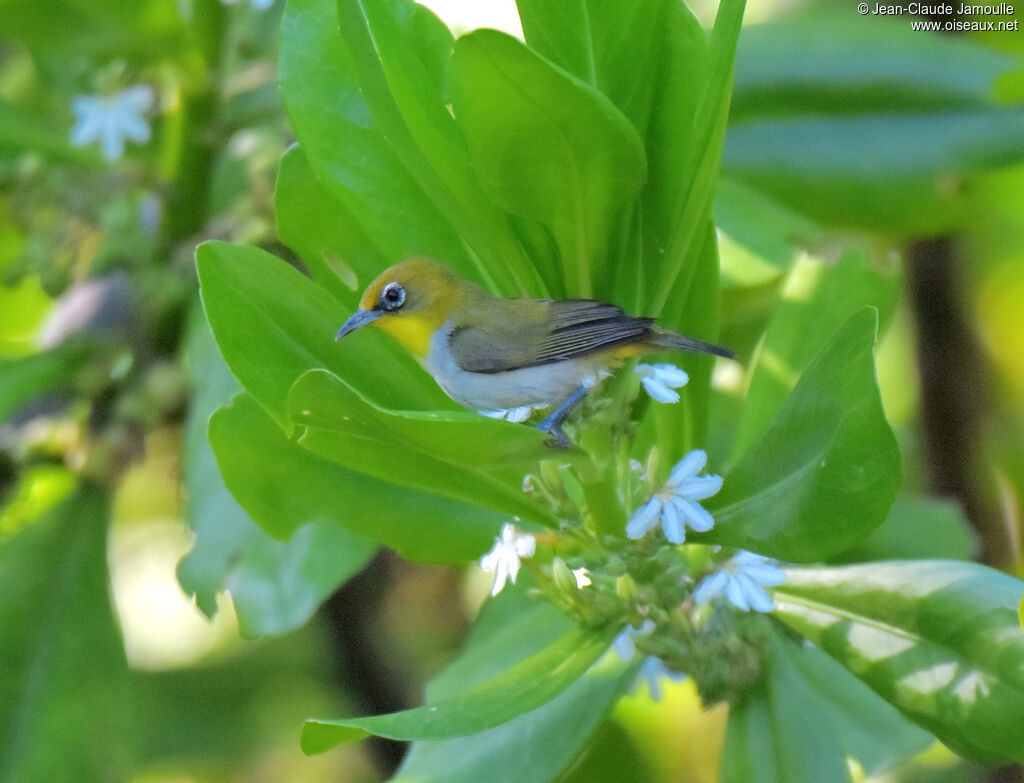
(515, 415)
(504, 557)
(741, 580)
(110, 119)
(661, 380)
(675, 504)
(582, 576)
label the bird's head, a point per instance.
(410, 301)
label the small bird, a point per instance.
(489, 353)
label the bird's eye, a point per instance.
(392, 296)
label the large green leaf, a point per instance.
(940, 639)
(816, 299)
(284, 486)
(272, 324)
(859, 122)
(548, 148)
(275, 585)
(317, 226)
(827, 470)
(458, 455)
(399, 52)
(519, 689)
(805, 693)
(62, 676)
(348, 151)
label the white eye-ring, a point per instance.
(392, 296)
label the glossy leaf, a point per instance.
(826, 472)
(547, 148)
(939, 639)
(399, 52)
(804, 693)
(460, 455)
(284, 487)
(317, 226)
(62, 683)
(816, 299)
(519, 689)
(272, 324)
(275, 585)
(346, 148)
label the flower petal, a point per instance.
(736, 595)
(700, 487)
(645, 518)
(688, 467)
(698, 517)
(659, 391)
(672, 523)
(711, 587)
(670, 375)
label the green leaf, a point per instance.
(519, 689)
(348, 151)
(275, 585)
(863, 124)
(511, 752)
(459, 455)
(62, 681)
(918, 528)
(685, 208)
(804, 693)
(272, 324)
(547, 148)
(827, 470)
(28, 377)
(399, 51)
(284, 486)
(816, 299)
(317, 226)
(939, 639)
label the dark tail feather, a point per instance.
(666, 339)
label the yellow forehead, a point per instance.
(418, 276)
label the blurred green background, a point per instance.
(847, 132)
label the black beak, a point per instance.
(358, 318)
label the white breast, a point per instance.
(545, 384)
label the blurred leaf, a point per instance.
(547, 148)
(827, 470)
(804, 693)
(317, 226)
(918, 528)
(523, 687)
(62, 667)
(459, 455)
(275, 586)
(31, 376)
(347, 150)
(272, 324)
(284, 486)
(816, 299)
(20, 132)
(864, 123)
(939, 639)
(511, 628)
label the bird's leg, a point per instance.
(553, 423)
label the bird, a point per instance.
(489, 353)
